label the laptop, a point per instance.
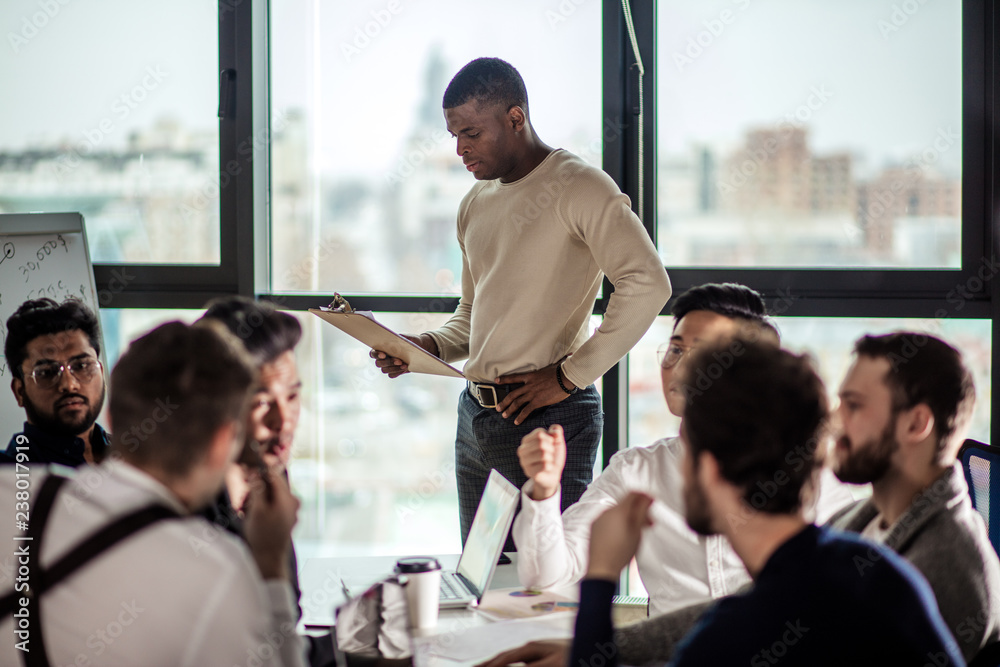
(468, 583)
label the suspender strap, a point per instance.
(89, 549)
(36, 656)
(101, 541)
(79, 556)
(37, 520)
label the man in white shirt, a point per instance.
(180, 591)
(678, 567)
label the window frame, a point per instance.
(890, 291)
(790, 291)
(244, 233)
(129, 285)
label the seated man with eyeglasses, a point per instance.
(678, 567)
(52, 350)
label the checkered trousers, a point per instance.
(486, 440)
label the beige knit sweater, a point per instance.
(533, 255)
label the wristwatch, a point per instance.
(562, 385)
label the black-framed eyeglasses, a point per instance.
(669, 354)
(49, 375)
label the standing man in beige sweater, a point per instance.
(538, 232)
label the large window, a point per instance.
(819, 153)
(829, 341)
(365, 181)
(365, 188)
(107, 114)
(810, 134)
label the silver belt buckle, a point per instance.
(479, 395)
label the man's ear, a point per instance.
(708, 470)
(917, 423)
(517, 118)
(17, 386)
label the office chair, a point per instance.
(980, 461)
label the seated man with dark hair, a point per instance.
(749, 453)
(270, 337)
(905, 406)
(184, 603)
(53, 351)
(678, 567)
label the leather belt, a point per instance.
(489, 395)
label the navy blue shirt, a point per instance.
(823, 598)
(65, 450)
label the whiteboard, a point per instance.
(41, 255)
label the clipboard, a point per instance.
(363, 327)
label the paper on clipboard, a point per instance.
(363, 327)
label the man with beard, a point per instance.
(115, 545)
(920, 505)
(750, 450)
(53, 351)
(904, 407)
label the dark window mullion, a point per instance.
(189, 286)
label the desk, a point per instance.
(320, 580)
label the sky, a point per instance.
(71, 73)
(364, 89)
(888, 93)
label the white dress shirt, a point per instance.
(678, 567)
(180, 592)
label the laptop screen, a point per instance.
(488, 531)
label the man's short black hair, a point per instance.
(727, 299)
(760, 411)
(489, 81)
(925, 369)
(266, 332)
(40, 317)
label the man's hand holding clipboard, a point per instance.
(394, 366)
(394, 354)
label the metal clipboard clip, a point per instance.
(340, 304)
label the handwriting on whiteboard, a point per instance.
(7, 252)
(59, 291)
(41, 254)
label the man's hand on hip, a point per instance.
(540, 388)
(393, 366)
(543, 456)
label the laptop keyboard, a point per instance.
(451, 587)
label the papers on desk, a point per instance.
(457, 642)
(512, 603)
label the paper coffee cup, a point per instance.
(423, 589)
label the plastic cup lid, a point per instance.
(416, 564)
